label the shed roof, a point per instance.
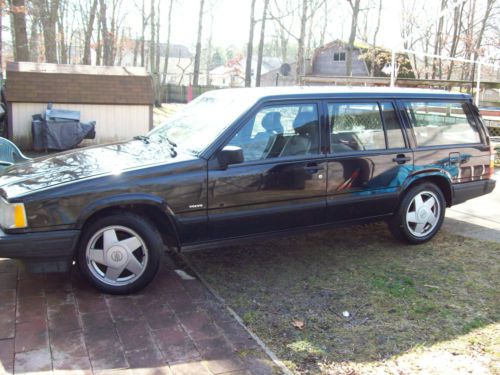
(81, 84)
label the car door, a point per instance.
(281, 183)
(368, 159)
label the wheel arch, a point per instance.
(151, 207)
(441, 180)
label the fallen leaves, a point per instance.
(299, 324)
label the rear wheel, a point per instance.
(420, 214)
(120, 254)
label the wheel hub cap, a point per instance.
(117, 256)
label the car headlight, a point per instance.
(12, 215)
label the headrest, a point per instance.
(272, 122)
(304, 121)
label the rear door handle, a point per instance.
(401, 159)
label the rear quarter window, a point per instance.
(438, 123)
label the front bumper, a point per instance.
(41, 251)
(468, 190)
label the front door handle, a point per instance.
(401, 159)
(313, 168)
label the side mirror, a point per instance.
(230, 155)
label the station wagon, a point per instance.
(241, 164)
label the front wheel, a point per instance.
(420, 214)
(120, 254)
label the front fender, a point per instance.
(128, 200)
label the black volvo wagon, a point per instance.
(242, 163)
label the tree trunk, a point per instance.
(167, 46)
(486, 18)
(136, 50)
(18, 9)
(34, 44)
(105, 34)
(49, 12)
(248, 65)
(325, 25)
(197, 56)
(374, 43)
(438, 38)
(457, 21)
(89, 30)
(300, 47)
(143, 35)
(352, 36)
(209, 51)
(98, 52)
(261, 44)
(158, 32)
(152, 46)
(63, 48)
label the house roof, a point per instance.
(82, 84)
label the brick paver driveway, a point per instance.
(57, 323)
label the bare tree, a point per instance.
(374, 40)
(457, 23)
(34, 41)
(152, 45)
(197, 56)
(248, 66)
(18, 10)
(89, 30)
(167, 46)
(61, 28)
(438, 41)
(143, 33)
(261, 43)
(106, 42)
(300, 40)
(49, 10)
(352, 35)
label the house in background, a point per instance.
(285, 75)
(330, 60)
(119, 99)
(232, 74)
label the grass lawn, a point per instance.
(432, 308)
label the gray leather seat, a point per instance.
(306, 138)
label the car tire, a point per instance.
(120, 253)
(420, 214)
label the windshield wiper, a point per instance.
(143, 138)
(173, 144)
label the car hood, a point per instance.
(71, 166)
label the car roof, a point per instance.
(346, 92)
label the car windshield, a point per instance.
(196, 126)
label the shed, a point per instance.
(119, 99)
(330, 60)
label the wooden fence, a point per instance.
(179, 94)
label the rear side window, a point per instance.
(360, 126)
(442, 123)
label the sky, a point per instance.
(231, 21)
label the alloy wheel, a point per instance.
(116, 255)
(423, 213)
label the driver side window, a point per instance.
(279, 131)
